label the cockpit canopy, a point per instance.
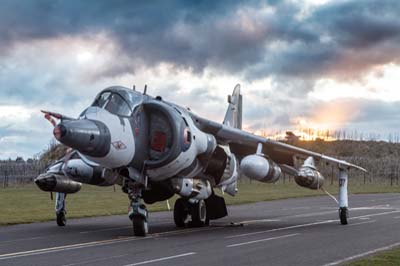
(118, 100)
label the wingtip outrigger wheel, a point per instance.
(343, 215)
(343, 196)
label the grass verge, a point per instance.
(29, 204)
(387, 258)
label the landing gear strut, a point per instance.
(343, 197)
(197, 210)
(60, 209)
(137, 211)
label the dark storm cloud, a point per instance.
(236, 39)
(232, 36)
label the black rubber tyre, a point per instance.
(61, 219)
(199, 213)
(343, 215)
(180, 212)
(140, 226)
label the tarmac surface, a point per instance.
(302, 231)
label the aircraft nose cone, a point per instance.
(89, 137)
(59, 132)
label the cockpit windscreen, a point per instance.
(120, 102)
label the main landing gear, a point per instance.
(60, 209)
(197, 210)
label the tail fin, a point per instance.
(233, 116)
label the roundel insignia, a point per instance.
(119, 145)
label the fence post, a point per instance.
(5, 180)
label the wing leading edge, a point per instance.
(243, 143)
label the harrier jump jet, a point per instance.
(155, 149)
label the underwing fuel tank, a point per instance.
(258, 167)
(53, 182)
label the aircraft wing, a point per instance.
(243, 143)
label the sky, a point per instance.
(301, 64)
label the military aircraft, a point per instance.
(155, 149)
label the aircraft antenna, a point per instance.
(145, 89)
(134, 87)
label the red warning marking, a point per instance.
(159, 141)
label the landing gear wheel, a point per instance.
(181, 212)
(199, 213)
(140, 226)
(61, 219)
(343, 215)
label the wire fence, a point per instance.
(383, 171)
(14, 173)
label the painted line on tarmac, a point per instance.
(119, 228)
(308, 224)
(281, 229)
(363, 254)
(105, 229)
(162, 259)
(360, 223)
(377, 207)
(261, 240)
(312, 214)
(259, 221)
(99, 243)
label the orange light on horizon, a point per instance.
(325, 120)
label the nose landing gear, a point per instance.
(137, 211)
(139, 217)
